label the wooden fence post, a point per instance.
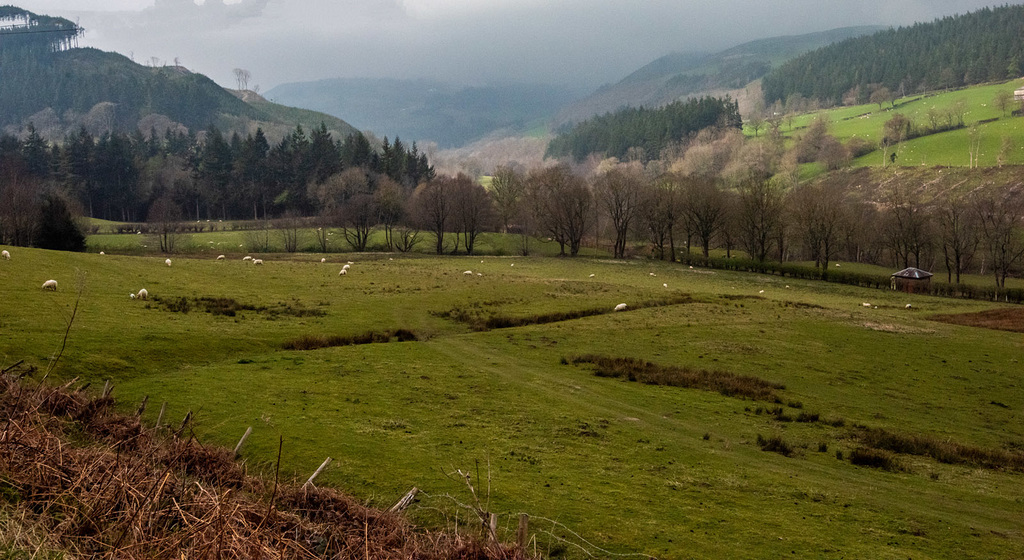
(323, 466)
(524, 531)
(492, 526)
(242, 441)
(142, 407)
(160, 417)
(409, 498)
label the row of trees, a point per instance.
(669, 214)
(121, 177)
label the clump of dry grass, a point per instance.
(724, 382)
(79, 480)
(315, 341)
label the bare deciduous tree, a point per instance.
(818, 216)
(1001, 232)
(564, 206)
(618, 191)
(759, 216)
(705, 210)
(242, 77)
(508, 188)
(957, 225)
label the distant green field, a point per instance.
(947, 148)
(632, 468)
(238, 243)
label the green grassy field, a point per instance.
(946, 148)
(632, 468)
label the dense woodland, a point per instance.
(642, 133)
(950, 52)
(195, 177)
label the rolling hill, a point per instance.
(59, 88)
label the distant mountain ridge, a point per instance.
(428, 110)
(680, 75)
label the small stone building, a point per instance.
(911, 280)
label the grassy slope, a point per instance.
(947, 148)
(626, 465)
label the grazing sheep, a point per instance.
(168, 262)
(837, 265)
(652, 274)
(350, 262)
(343, 272)
(50, 285)
(101, 252)
(761, 292)
(143, 294)
(221, 257)
(591, 276)
(468, 272)
(7, 255)
(865, 304)
(479, 274)
(345, 267)
(664, 285)
(257, 261)
(513, 264)
(620, 307)
(132, 296)
(323, 260)
(247, 258)
(909, 306)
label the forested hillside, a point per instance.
(678, 75)
(947, 53)
(46, 81)
(644, 132)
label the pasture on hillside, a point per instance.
(601, 463)
(950, 148)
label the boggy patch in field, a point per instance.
(482, 320)
(230, 307)
(724, 382)
(940, 450)
(315, 341)
(998, 319)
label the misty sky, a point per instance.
(467, 42)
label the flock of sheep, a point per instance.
(143, 294)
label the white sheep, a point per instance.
(468, 273)
(620, 307)
(323, 260)
(6, 254)
(50, 285)
(102, 253)
(350, 262)
(479, 274)
(909, 306)
(143, 294)
(865, 304)
(131, 296)
(168, 262)
(761, 292)
(343, 272)
(664, 285)
(221, 257)
(345, 267)
(257, 261)
(652, 274)
(591, 276)
(247, 258)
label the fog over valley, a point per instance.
(582, 43)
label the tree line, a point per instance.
(643, 133)
(185, 176)
(951, 52)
